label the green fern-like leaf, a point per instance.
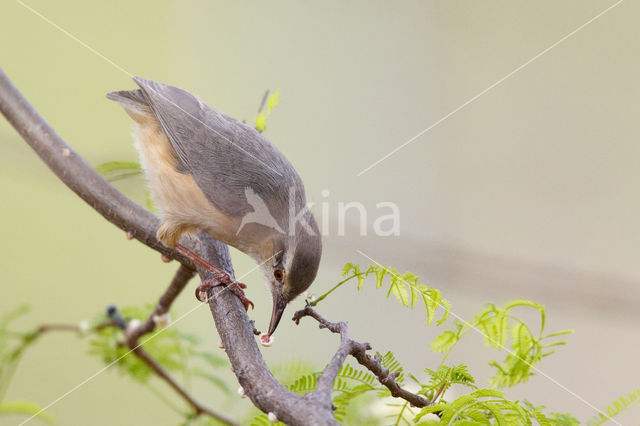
(12, 346)
(562, 419)
(390, 362)
(116, 170)
(490, 407)
(347, 372)
(617, 407)
(289, 371)
(483, 406)
(526, 348)
(272, 103)
(501, 329)
(404, 286)
(26, 408)
(262, 420)
(551, 419)
(304, 384)
(403, 414)
(446, 376)
(445, 341)
(174, 350)
(354, 270)
(344, 398)
(349, 384)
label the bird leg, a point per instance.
(220, 277)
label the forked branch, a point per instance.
(359, 352)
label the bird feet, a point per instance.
(220, 277)
(235, 286)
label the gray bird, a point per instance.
(201, 166)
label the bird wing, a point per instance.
(223, 155)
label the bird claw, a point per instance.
(220, 277)
(201, 291)
(235, 286)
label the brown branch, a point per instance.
(439, 392)
(76, 328)
(160, 372)
(44, 328)
(263, 101)
(231, 320)
(359, 352)
(178, 283)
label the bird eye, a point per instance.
(278, 274)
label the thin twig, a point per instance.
(359, 352)
(439, 392)
(162, 373)
(43, 328)
(264, 100)
(181, 278)
(76, 328)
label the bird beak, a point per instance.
(278, 309)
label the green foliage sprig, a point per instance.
(500, 328)
(617, 407)
(484, 407)
(175, 350)
(272, 103)
(404, 286)
(116, 170)
(442, 379)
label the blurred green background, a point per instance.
(530, 191)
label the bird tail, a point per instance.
(134, 103)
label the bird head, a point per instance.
(293, 266)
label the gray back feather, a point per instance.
(223, 155)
